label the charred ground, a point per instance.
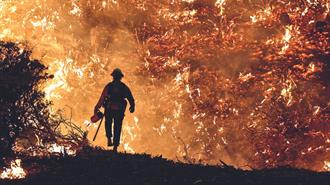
(98, 166)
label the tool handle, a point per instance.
(98, 128)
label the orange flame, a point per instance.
(15, 171)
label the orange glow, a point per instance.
(14, 172)
(286, 39)
(196, 69)
(327, 166)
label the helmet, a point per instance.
(117, 73)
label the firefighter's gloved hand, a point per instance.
(131, 109)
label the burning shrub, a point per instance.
(258, 97)
(26, 120)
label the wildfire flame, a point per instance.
(15, 171)
(286, 39)
(55, 148)
(261, 15)
(327, 166)
(207, 76)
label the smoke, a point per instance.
(82, 42)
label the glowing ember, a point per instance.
(15, 171)
(220, 4)
(55, 148)
(286, 39)
(327, 166)
(261, 15)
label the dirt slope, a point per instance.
(97, 167)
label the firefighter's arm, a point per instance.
(131, 100)
(101, 100)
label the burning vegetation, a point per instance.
(245, 82)
(27, 125)
(255, 74)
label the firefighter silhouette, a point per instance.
(113, 99)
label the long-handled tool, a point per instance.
(98, 128)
